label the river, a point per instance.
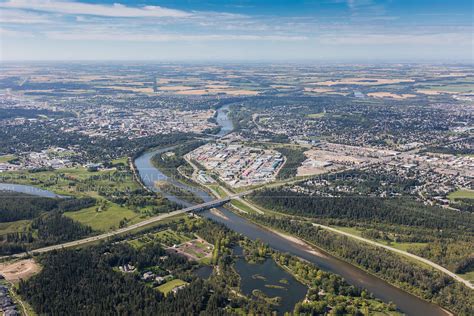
(406, 302)
(28, 189)
(224, 121)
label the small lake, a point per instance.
(273, 281)
(28, 189)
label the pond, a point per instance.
(271, 280)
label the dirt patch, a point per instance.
(174, 88)
(216, 212)
(194, 249)
(391, 95)
(22, 269)
(318, 90)
(216, 91)
(362, 81)
(433, 92)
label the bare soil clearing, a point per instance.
(17, 270)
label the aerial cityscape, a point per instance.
(206, 158)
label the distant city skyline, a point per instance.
(213, 30)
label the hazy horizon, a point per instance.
(308, 31)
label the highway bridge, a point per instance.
(149, 221)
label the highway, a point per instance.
(75, 243)
(219, 202)
(402, 252)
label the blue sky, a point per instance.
(219, 30)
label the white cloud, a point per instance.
(398, 39)
(115, 10)
(21, 17)
(15, 34)
(102, 36)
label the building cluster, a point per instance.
(151, 277)
(394, 126)
(330, 157)
(239, 165)
(111, 121)
(157, 280)
(427, 177)
(51, 158)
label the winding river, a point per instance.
(406, 302)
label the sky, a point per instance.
(238, 30)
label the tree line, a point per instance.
(425, 283)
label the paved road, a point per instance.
(405, 253)
(217, 202)
(194, 208)
(377, 244)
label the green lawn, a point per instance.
(461, 194)
(104, 220)
(168, 286)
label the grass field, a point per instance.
(75, 181)
(242, 206)
(316, 115)
(104, 220)
(80, 182)
(169, 238)
(13, 227)
(166, 237)
(398, 245)
(169, 286)
(461, 194)
(123, 160)
(6, 158)
(217, 188)
(468, 276)
(462, 87)
(405, 245)
(350, 230)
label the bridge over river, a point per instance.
(149, 221)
